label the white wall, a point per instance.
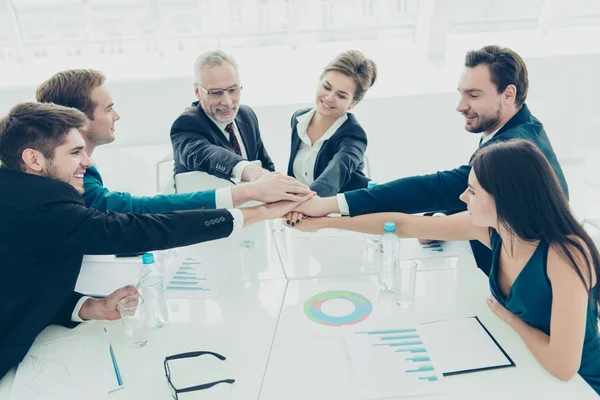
(408, 135)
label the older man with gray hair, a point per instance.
(216, 134)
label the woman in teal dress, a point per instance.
(545, 265)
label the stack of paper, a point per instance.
(392, 363)
(411, 360)
(463, 345)
(76, 367)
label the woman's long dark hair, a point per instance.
(531, 204)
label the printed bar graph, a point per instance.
(415, 336)
(186, 279)
(433, 247)
(384, 332)
(422, 368)
(409, 343)
(418, 359)
(428, 378)
(177, 276)
(373, 353)
(415, 350)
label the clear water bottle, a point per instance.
(390, 248)
(372, 253)
(152, 289)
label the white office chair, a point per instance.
(164, 175)
(367, 169)
(196, 181)
(592, 226)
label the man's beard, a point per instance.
(486, 122)
(52, 173)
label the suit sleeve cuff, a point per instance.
(238, 219)
(75, 315)
(223, 198)
(343, 204)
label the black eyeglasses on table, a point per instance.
(174, 390)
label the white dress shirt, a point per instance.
(236, 173)
(238, 223)
(341, 199)
(304, 163)
(489, 137)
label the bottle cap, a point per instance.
(148, 258)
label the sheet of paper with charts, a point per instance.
(412, 360)
(196, 279)
(392, 362)
(75, 367)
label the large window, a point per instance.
(51, 34)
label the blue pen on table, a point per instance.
(114, 361)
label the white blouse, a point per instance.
(304, 163)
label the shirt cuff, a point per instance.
(223, 198)
(75, 315)
(236, 172)
(343, 204)
(238, 218)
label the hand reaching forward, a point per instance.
(274, 186)
(312, 224)
(272, 210)
(318, 207)
(106, 308)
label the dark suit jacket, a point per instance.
(199, 145)
(441, 191)
(45, 229)
(340, 162)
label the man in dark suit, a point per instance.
(216, 134)
(493, 90)
(85, 90)
(46, 228)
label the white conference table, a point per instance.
(333, 253)
(310, 361)
(275, 352)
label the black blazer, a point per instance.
(340, 162)
(440, 191)
(45, 229)
(199, 145)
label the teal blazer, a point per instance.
(98, 197)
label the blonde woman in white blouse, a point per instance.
(328, 143)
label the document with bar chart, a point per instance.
(392, 362)
(195, 279)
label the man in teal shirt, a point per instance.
(85, 90)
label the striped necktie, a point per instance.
(230, 128)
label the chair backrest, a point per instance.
(367, 169)
(164, 174)
(196, 181)
(592, 226)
